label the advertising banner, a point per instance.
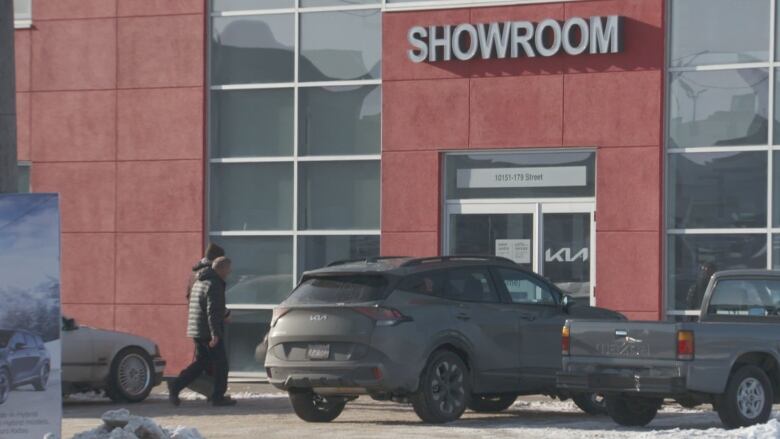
(30, 350)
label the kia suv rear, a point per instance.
(442, 333)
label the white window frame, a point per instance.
(770, 147)
(23, 20)
(294, 233)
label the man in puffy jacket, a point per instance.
(206, 326)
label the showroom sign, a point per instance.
(551, 176)
(514, 39)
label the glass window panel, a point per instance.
(693, 258)
(719, 31)
(252, 123)
(775, 189)
(262, 268)
(777, 105)
(340, 45)
(339, 195)
(243, 333)
(776, 252)
(251, 196)
(315, 3)
(319, 251)
(250, 5)
(718, 108)
(718, 190)
(521, 175)
(339, 120)
(252, 49)
(479, 234)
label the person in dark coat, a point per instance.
(206, 327)
(213, 251)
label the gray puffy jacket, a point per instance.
(207, 306)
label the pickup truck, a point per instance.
(728, 358)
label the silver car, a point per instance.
(125, 366)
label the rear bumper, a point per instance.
(662, 379)
(159, 369)
(357, 377)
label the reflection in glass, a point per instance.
(251, 196)
(243, 333)
(566, 250)
(250, 5)
(719, 32)
(319, 251)
(252, 49)
(23, 179)
(262, 268)
(718, 190)
(692, 258)
(473, 234)
(251, 123)
(315, 3)
(567, 185)
(338, 195)
(714, 108)
(339, 120)
(340, 45)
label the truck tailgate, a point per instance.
(636, 340)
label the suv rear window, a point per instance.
(339, 289)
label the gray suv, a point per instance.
(444, 333)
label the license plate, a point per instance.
(318, 351)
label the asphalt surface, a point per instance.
(264, 412)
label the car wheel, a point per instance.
(632, 411)
(491, 404)
(315, 408)
(748, 398)
(130, 379)
(444, 389)
(43, 378)
(591, 403)
(5, 385)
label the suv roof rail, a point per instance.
(418, 261)
(366, 260)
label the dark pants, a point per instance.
(206, 359)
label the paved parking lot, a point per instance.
(263, 412)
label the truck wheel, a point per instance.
(315, 408)
(491, 404)
(632, 411)
(444, 389)
(748, 398)
(591, 403)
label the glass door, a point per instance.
(555, 240)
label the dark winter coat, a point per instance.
(207, 306)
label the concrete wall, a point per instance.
(110, 102)
(611, 102)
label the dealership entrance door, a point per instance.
(555, 240)
(536, 208)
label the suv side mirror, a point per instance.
(567, 302)
(69, 324)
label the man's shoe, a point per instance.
(173, 395)
(224, 402)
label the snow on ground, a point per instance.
(184, 396)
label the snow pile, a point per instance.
(770, 430)
(120, 424)
(193, 396)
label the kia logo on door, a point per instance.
(565, 255)
(318, 317)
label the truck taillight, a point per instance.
(685, 345)
(565, 340)
(278, 314)
(383, 316)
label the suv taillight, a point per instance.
(278, 314)
(685, 345)
(382, 316)
(565, 340)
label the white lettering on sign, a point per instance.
(575, 36)
(565, 255)
(518, 250)
(552, 176)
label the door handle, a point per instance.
(463, 316)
